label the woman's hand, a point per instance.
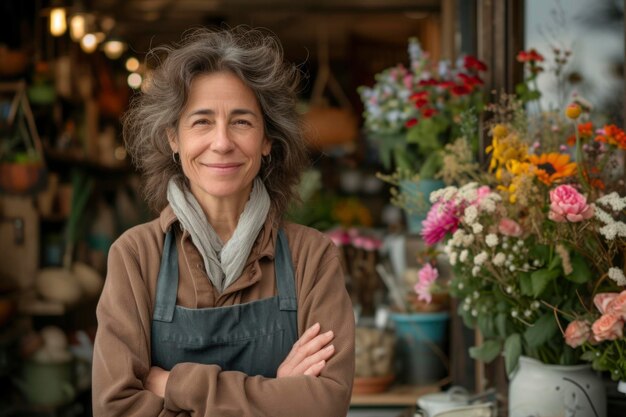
(309, 354)
(157, 380)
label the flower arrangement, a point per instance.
(538, 239)
(412, 113)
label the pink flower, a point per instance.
(608, 327)
(603, 300)
(441, 219)
(617, 306)
(426, 276)
(509, 227)
(567, 204)
(577, 333)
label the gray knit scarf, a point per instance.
(223, 263)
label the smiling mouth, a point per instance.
(223, 168)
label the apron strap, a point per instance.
(167, 282)
(284, 274)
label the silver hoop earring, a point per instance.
(176, 162)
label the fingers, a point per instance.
(309, 354)
(306, 337)
(322, 355)
(316, 369)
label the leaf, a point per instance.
(501, 324)
(581, 272)
(588, 356)
(540, 253)
(541, 331)
(555, 262)
(541, 278)
(431, 165)
(525, 283)
(512, 352)
(486, 325)
(486, 352)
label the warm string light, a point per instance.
(77, 27)
(89, 43)
(58, 25)
(132, 64)
(134, 80)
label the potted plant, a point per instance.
(412, 113)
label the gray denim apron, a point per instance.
(253, 338)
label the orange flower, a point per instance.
(551, 167)
(585, 130)
(613, 135)
(573, 111)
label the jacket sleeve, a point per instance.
(205, 390)
(121, 358)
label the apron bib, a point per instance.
(253, 337)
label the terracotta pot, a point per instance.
(19, 178)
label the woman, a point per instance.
(219, 307)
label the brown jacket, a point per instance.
(122, 347)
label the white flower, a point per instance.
(480, 258)
(475, 271)
(614, 201)
(458, 237)
(491, 240)
(499, 259)
(452, 257)
(602, 215)
(463, 255)
(471, 213)
(477, 228)
(617, 275)
(468, 240)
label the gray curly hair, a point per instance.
(256, 58)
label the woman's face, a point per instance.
(220, 138)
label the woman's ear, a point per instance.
(171, 138)
(267, 146)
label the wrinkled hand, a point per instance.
(157, 380)
(309, 354)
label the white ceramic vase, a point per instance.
(539, 390)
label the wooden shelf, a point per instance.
(397, 395)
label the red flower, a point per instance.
(446, 84)
(410, 123)
(529, 56)
(419, 103)
(428, 112)
(427, 82)
(473, 63)
(419, 95)
(470, 80)
(460, 90)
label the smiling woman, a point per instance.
(219, 306)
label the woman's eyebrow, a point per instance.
(209, 112)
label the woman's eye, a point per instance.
(200, 122)
(242, 122)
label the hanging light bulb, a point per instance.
(89, 43)
(77, 27)
(114, 48)
(132, 64)
(58, 25)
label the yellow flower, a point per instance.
(506, 149)
(551, 167)
(500, 131)
(573, 111)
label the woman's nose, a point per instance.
(221, 140)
